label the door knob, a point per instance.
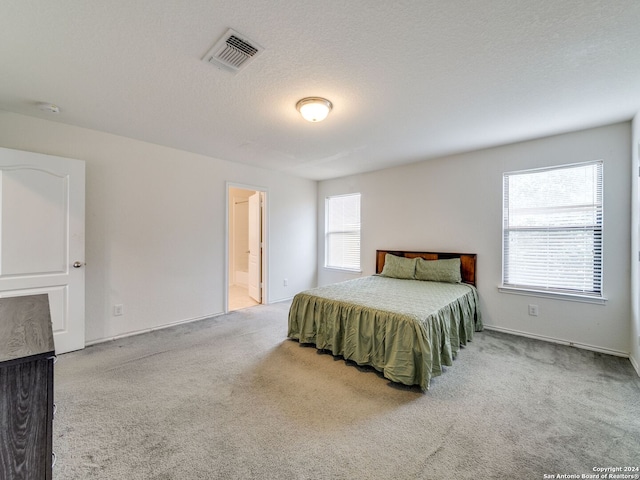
(77, 264)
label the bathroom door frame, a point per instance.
(264, 220)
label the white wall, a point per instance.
(635, 244)
(155, 225)
(455, 204)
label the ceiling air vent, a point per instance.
(233, 51)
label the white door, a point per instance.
(42, 237)
(255, 248)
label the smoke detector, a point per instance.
(233, 51)
(48, 107)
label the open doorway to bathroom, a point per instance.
(246, 247)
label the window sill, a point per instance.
(573, 297)
(344, 270)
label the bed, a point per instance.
(406, 321)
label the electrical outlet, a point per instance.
(118, 310)
(286, 282)
(533, 310)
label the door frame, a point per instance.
(265, 239)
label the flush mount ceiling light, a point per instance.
(314, 109)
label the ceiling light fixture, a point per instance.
(314, 109)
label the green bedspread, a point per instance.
(406, 329)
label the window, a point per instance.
(552, 230)
(342, 248)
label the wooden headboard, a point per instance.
(467, 261)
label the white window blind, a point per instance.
(552, 230)
(343, 232)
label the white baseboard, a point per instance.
(634, 362)
(153, 329)
(241, 278)
(280, 300)
(584, 346)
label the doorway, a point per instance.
(246, 247)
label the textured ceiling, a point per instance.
(409, 80)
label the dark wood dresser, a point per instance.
(27, 354)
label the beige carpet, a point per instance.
(231, 398)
